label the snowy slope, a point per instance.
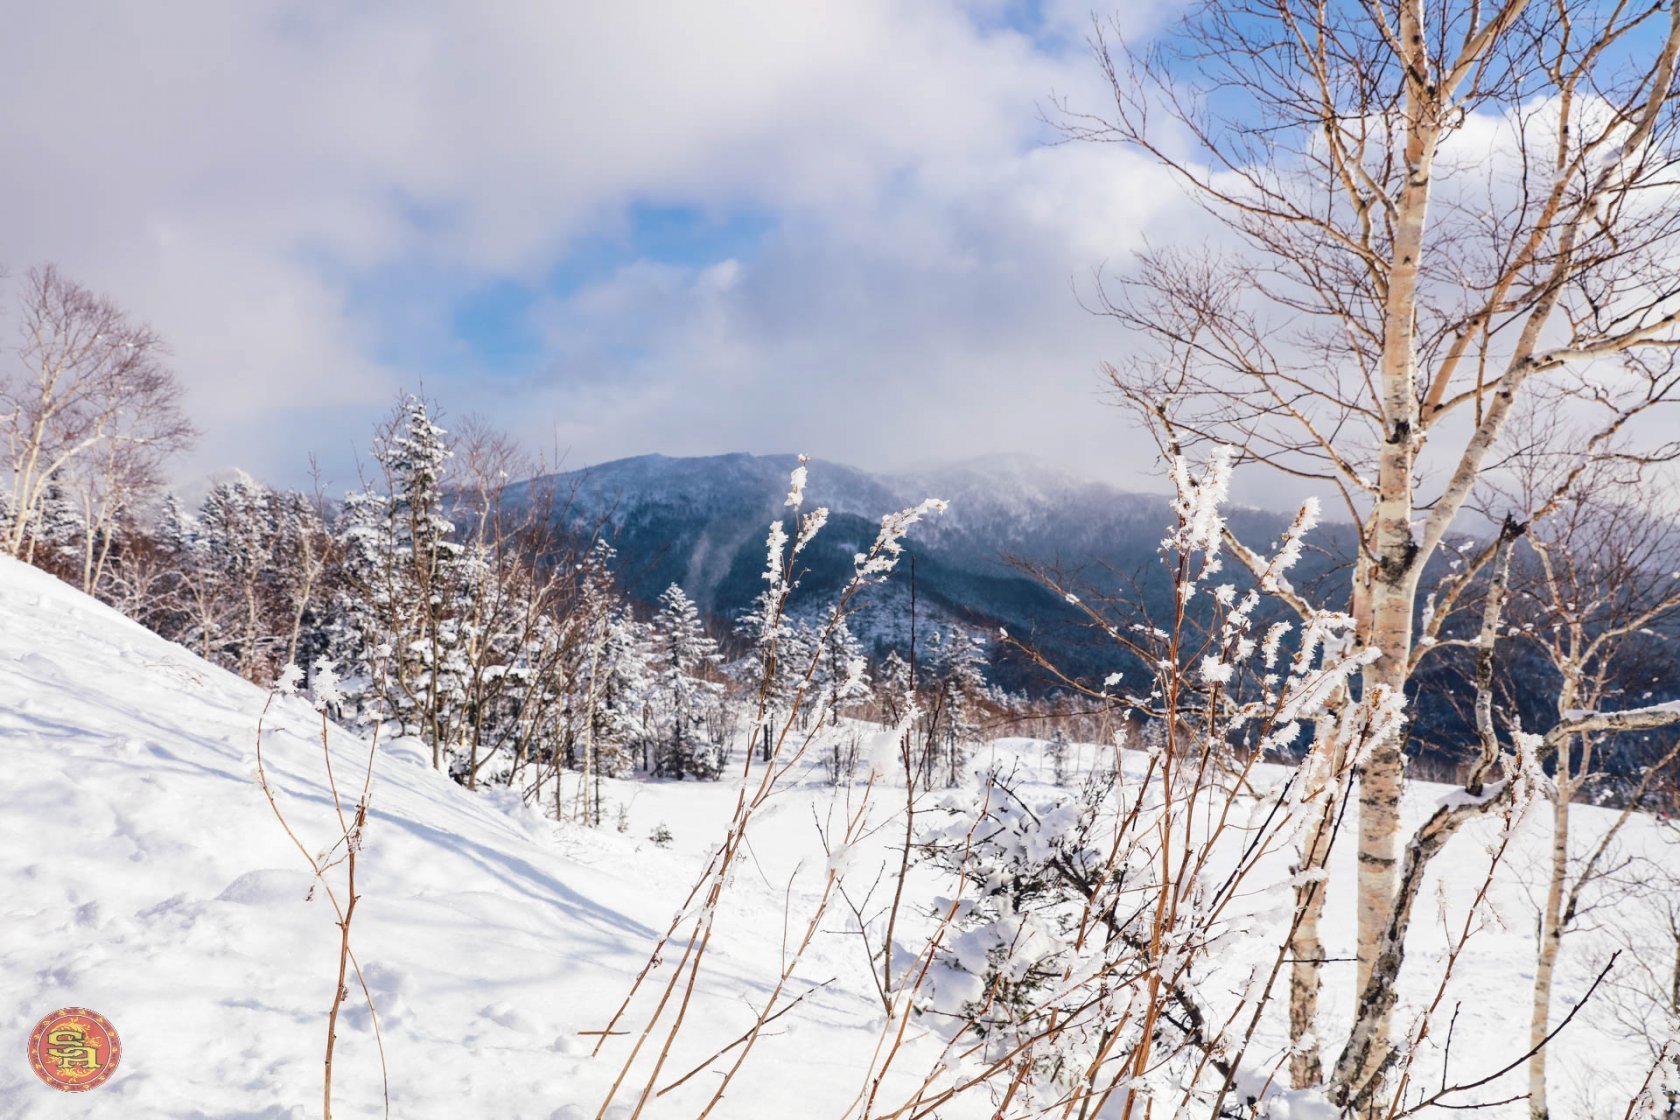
(146, 878)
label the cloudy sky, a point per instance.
(838, 227)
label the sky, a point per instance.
(843, 228)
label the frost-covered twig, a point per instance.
(1072, 981)
(783, 753)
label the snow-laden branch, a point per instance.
(1626, 719)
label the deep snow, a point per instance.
(147, 879)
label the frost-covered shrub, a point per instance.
(1027, 862)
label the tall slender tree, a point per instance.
(1430, 210)
(399, 573)
(683, 653)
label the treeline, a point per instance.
(443, 599)
(492, 629)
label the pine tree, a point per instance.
(625, 684)
(189, 612)
(894, 690)
(364, 606)
(404, 581)
(427, 670)
(801, 659)
(958, 664)
(245, 577)
(304, 547)
(682, 650)
(842, 671)
(238, 532)
(611, 684)
(769, 670)
(1057, 751)
(58, 532)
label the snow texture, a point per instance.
(148, 879)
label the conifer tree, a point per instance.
(894, 690)
(237, 555)
(1057, 751)
(304, 547)
(188, 614)
(403, 575)
(682, 651)
(772, 641)
(842, 671)
(57, 536)
(611, 682)
(958, 664)
(623, 689)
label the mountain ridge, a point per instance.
(701, 522)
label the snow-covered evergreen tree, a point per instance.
(238, 528)
(189, 610)
(894, 690)
(1057, 752)
(1028, 866)
(682, 651)
(304, 545)
(58, 531)
(620, 730)
(612, 682)
(801, 656)
(769, 676)
(366, 605)
(958, 664)
(842, 671)
(427, 666)
(244, 578)
(400, 632)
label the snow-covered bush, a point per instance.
(1027, 859)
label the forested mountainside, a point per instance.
(700, 522)
(1014, 525)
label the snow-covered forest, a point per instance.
(419, 797)
(494, 630)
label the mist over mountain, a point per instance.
(702, 522)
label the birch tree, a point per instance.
(89, 405)
(1428, 211)
(1601, 584)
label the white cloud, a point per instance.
(247, 177)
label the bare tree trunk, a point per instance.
(87, 554)
(1359, 100)
(589, 774)
(26, 488)
(1551, 940)
(1674, 984)
(253, 619)
(1391, 574)
(106, 542)
(1369, 1049)
(310, 569)
(1306, 948)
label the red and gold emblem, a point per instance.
(74, 1049)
